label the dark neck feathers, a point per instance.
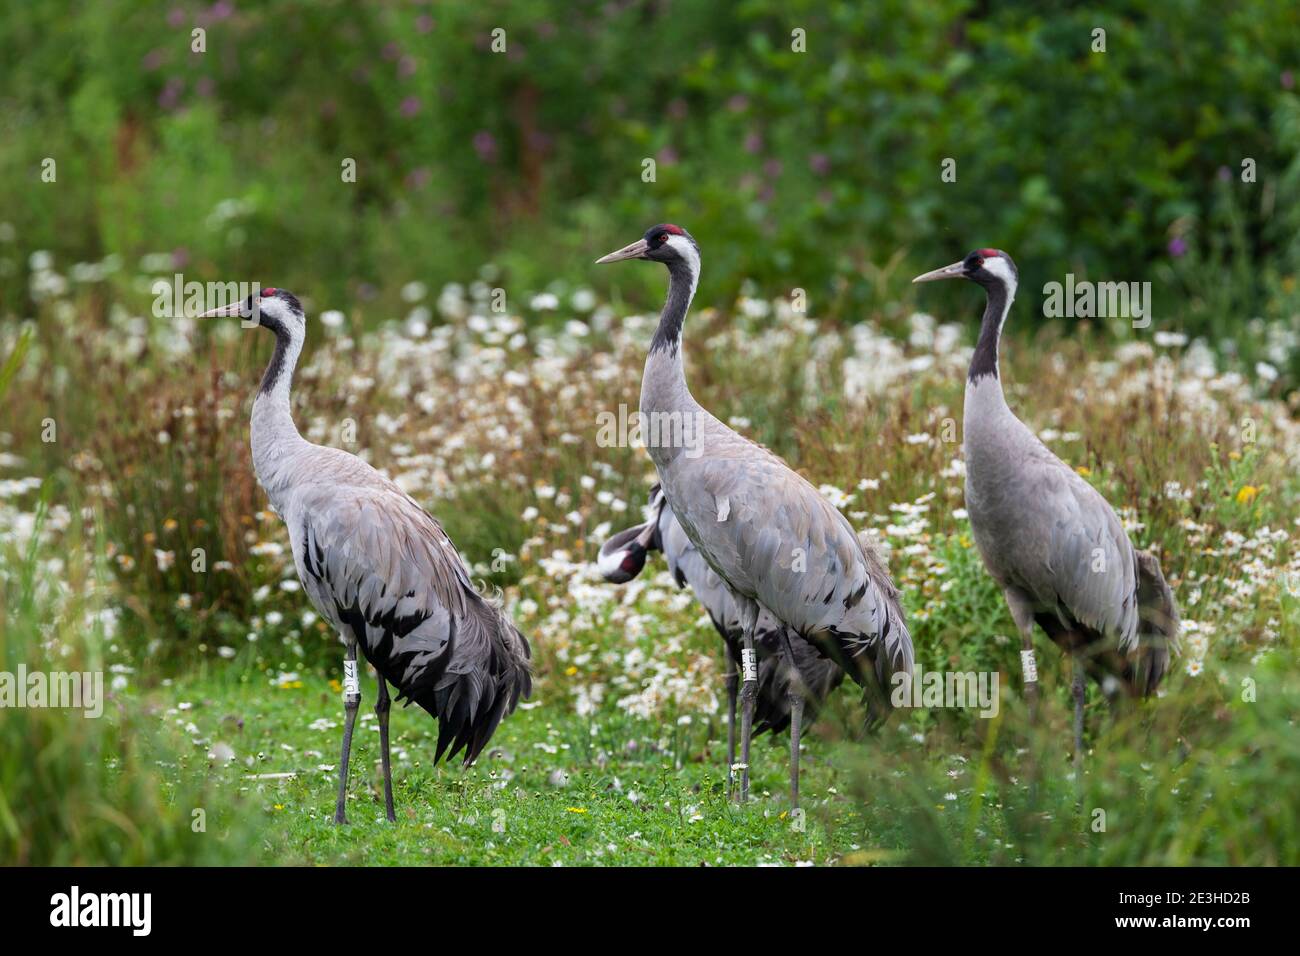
(276, 369)
(680, 288)
(985, 360)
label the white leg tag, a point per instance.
(1029, 666)
(351, 686)
(748, 665)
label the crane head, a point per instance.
(662, 243)
(984, 266)
(273, 308)
(623, 555)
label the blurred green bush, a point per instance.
(797, 169)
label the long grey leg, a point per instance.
(1080, 690)
(351, 702)
(748, 689)
(1022, 613)
(382, 706)
(733, 688)
(796, 717)
(795, 697)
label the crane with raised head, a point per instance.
(381, 571)
(771, 537)
(1048, 538)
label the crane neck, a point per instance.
(273, 432)
(683, 276)
(984, 361)
(663, 386)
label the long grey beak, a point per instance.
(954, 271)
(636, 250)
(235, 308)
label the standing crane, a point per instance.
(1049, 539)
(783, 691)
(381, 571)
(772, 538)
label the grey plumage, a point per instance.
(1049, 539)
(621, 559)
(769, 535)
(775, 540)
(381, 571)
(378, 567)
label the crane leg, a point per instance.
(748, 692)
(733, 689)
(382, 706)
(351, 702)
(796, 718)
(794, 695)
(1022, 612)
(1080, 690)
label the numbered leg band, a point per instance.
(351, 686)
(748, 665)
(1029, 666)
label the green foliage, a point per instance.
(1171, 783)
(798, 169)
(78, 788)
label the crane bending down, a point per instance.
(773, 539)
(1048, 538)
(785, 695)
(381, 571)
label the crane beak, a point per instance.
(954, 271)
(243, 309)
(636, 250)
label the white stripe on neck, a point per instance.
(686, 249)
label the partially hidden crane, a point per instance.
(786, 695)
(1048, 538)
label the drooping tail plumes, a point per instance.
(486, 672)
(1158, 627)
(893, 653)
(891, 656)
(817, 678)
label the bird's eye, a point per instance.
(663, 237)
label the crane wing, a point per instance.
(773, 537)
(374, 562)
(1073, 555)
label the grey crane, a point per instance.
(772, 538)
(381, 571)
(784, 694)
(1049, 539)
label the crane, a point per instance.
(381, 571)
(771, 537)
(783, 692)
(1048, 538)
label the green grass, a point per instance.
(559, 788)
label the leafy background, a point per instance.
(818, 170)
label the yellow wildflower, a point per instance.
(1084, 470)
(1247, 494)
